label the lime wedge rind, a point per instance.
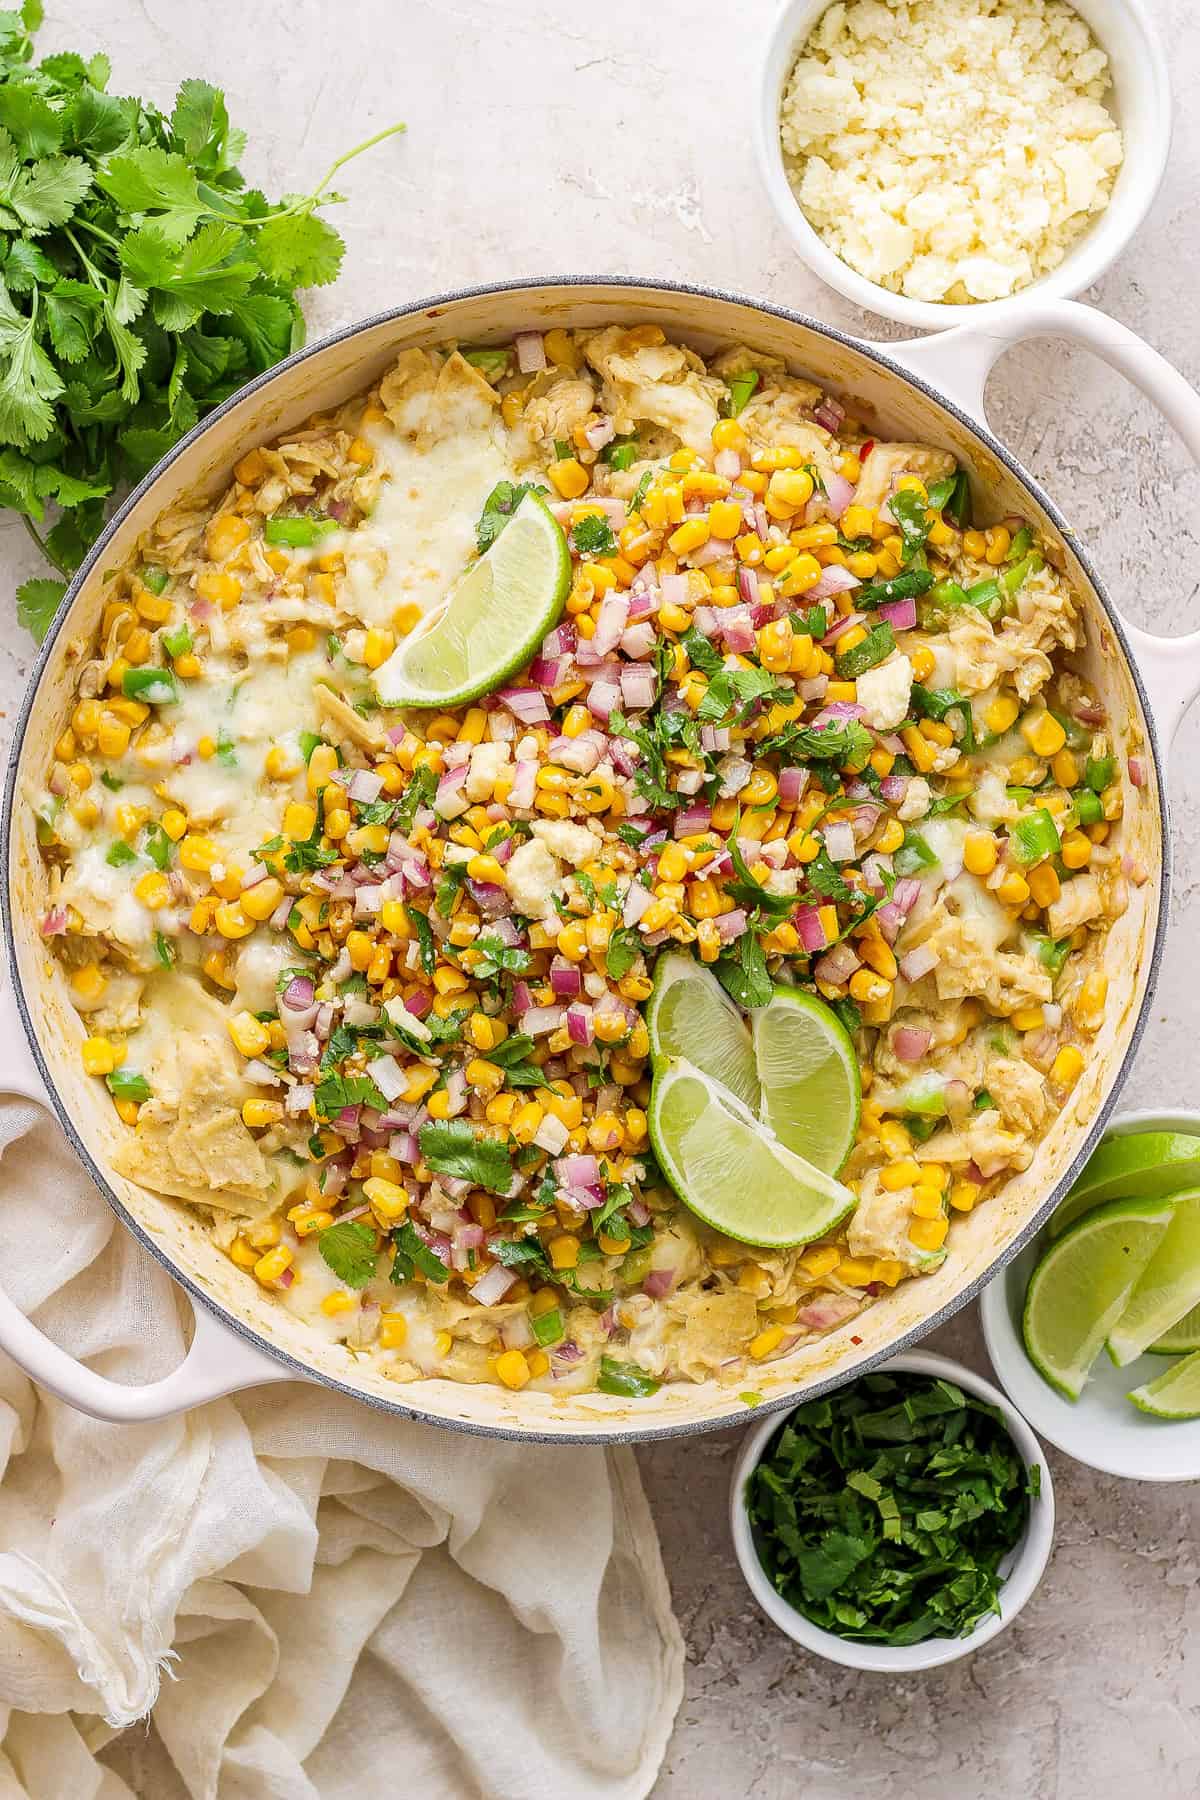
(1175, 1394)
(1181, 1339)
(689, 1015)
(492, 621)
(731, 1170)
(1134, 1165)
(1082, 1285)
(811, 1086)
(1169, 1286)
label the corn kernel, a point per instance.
(249, 1034)
(979, 852)
(1076, 850)
(258, 1113)
(766, 1341)
(1067, 1066)
(964, 1194)
(99, 1056)
(512, 1368)
(270, 1267)
(387, 1198)
(929, 1234)
(1043, 733)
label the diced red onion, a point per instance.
(599, 434)
(659, 1283)
(491, 1287)
(637, 900)
(539, 1020)
(707, 620)
(714, 738)
(737, 628)
(839, 841)
(612, 620)
(577, 1171)
(580, 1024)
(692, 820)
(531, 351)
(917, 963)
(829, 413)
(565, 979)
(837, 965)
(637, 641)
(901, 615)
(808, 925)
(549, 672)
(893, 788)
(299, 1098)
(833, 580)
(365, 786)
(299, 994)
(731, 925)
(1137, 771)
(450, 802)
(910, 1045)
(527, 704)
(792, 783)
(54, 923)
(639, 685)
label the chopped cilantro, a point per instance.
(349, 1249)
(413, 1253)
(452, 1148)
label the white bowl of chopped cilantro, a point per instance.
(898, 1523)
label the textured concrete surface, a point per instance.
(548, 138)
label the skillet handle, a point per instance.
(219, 1361)
(959, 362)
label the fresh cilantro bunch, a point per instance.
(141, 283)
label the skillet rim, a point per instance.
(738, 1413)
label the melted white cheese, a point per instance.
(421, 533)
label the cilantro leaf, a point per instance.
(593, 536)
(337, 1091)
(413, 1253)
(624, 948)
(513, 959)
(349, 1249)
(452, 1148)
(823, 876)
(37, 602)
(848, 743)
(499, 508)
(419, 792)
(742, 972)
(427, 950)
(302, 251)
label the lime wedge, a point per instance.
(492, 621)
(1082, 1285)
(811, 1087)
(1169, 1286)
(1175, 1394)
(1182, 1337)
(794, 1068)
(1145, 1165)
(690, 1015)
(731, 1170)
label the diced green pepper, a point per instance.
(636, 1265)
(1089, 808)
(1052, 953)
(1021, 545)
(1015, 576)
(621, 453)
(157, 846)
(156, 687)
(1099, 772)
(298, 532)
(154, 577)
(127, 1084)
(1034, 837)
(740, 390)
(178, 641)
(119, 854)
(626, 1379)
(948, 593)
(547, 1327)
(308, 742)
(492, 363)
(952, 498)
(986, 596)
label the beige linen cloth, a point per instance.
(311, 1600)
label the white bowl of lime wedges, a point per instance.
(1094, 1329)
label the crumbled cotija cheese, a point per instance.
(950, 149)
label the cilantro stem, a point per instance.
(40, 541)
(308, 201)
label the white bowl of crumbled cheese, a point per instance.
(930, 158)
